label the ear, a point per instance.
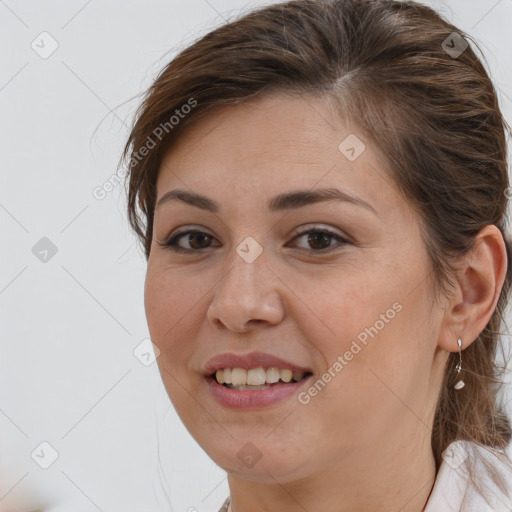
(479, 280)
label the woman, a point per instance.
(320, 188)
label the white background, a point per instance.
(68, 375)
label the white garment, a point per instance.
(453, 492)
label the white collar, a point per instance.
(453, 491)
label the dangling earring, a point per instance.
(460, 383)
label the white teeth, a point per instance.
(272, 375)
(256, 376)
(238, 376)
(286, 375)
(249, 388)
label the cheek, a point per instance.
(168, 304)
(169, 309)
(342, 306)
(362, 325)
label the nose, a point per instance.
(246, 296)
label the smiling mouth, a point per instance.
(249, 387)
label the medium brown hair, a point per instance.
(434, 115)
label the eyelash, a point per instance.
(171, 243)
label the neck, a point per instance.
(386, 478)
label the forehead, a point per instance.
(270, 123)
(272, 143)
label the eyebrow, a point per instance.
(285, 201)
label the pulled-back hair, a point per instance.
(411, 83)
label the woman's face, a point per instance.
(356, 311)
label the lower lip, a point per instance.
(237, 399)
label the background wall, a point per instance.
(74, 369)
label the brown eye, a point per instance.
(319, 239)
(196, 240)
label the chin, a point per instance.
(252, 461)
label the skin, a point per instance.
(363, 442)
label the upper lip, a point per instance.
(248, 361)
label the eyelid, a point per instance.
(298, 231)
(317, 227)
